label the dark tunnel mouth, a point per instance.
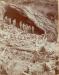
(23, 17)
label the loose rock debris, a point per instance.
(23, 53)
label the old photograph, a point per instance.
(29, 37)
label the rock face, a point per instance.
(20, 16)
(26, 17)
(24, 53)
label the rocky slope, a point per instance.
(22, 53)
(25, 54)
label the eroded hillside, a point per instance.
(23, 53)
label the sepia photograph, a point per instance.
(29, 37)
